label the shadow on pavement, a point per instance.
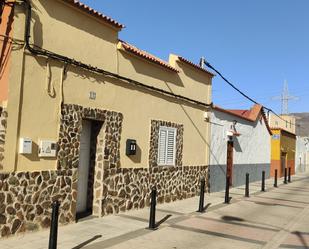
(231, 218)
(301, 238)
(87, 242)
(163, 220)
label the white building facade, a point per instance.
(248, 136)
(302, 154)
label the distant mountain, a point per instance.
(302, 123)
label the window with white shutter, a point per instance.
(167, 145)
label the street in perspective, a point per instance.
(144, 125)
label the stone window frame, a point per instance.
(167, 130)
(154, 139)
(3, 127)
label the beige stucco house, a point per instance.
(90, 120)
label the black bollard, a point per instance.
(263, 181)
(53, 235)
(202, 194)
(285, 176)
(289, 176)
(152, 218)
(276, 180)
(227, 190)
(247, 185)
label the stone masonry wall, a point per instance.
(108, 153)
(3, 123)
(26, 197)
(126, 189)
(25, 200)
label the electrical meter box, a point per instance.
(131, 147)
(25, 145)
(47, 148)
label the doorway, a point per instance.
(86, 167)
(229, 161)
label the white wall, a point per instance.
(301, 156)
(251, 147)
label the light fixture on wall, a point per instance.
(232, 132)
(206, 116)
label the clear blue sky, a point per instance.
(256, 44)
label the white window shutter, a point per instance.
(170, 148)
(162, 146)
(167, 145)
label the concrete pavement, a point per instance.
(277, 218)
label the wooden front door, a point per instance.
(229, 161)
(83, 168)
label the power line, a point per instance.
(37, 51)
(241, 92)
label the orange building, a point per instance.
(283, 146)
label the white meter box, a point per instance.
(47, 148)
(25, 145)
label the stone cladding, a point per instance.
(154, 138)
(26, 197)
(3, 124)
(126, 189)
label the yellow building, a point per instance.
(90, 120)
(283, 144)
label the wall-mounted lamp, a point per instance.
(206, 116)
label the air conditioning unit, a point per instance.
(47, 148)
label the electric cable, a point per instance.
(45, 53)
(245, 95)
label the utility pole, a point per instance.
(285, 98)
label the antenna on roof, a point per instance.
(202, 62)
(285, 98)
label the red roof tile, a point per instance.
(83, 7)
(241, 113)
(250, 115)
(141, 53)
(195, 65)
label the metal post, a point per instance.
(289, 176)
(276, 179)
(247, 185)
(202, 194)
(152, 218)
(285, 176)
(263, 181)
(54, 226)
(227, 190)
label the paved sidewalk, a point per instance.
(265, 220)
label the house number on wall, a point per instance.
(92, 95)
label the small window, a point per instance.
(167, 145)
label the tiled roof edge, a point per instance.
(145, 55)
(182, 59)
(85, 8)
(251, 118)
